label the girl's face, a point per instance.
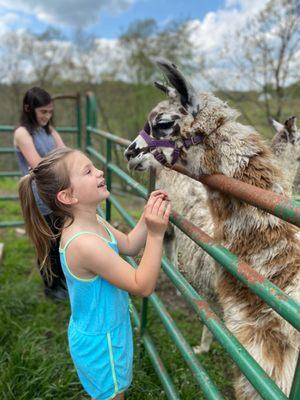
(43, 114)
(87, 182)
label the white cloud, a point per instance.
(209, 34)
(75, 13)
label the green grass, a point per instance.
(8, 186)
(34, 359)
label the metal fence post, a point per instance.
(295, 391)
(144, 307)
(108, 177)
(78, 121)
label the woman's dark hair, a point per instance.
(34, 98)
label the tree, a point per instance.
(14, 68)
(265, 57)
(48, 54)
(144, 41)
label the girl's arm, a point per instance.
(89, 255)
(23, 142)
(135, 240)
(57, 138)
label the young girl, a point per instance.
(98, 279)
(33, 139)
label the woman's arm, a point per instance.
(23, 142)
(57, 138)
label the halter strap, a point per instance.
(160, 157)
(192, 141)
(156, 142)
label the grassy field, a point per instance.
(34, 359)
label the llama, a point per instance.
(195, 264)
(286, 147)
(207, 139)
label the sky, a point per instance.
(107, 18)
(211, 24)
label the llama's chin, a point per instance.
(137, 166)
(143, 164)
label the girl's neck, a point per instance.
(85, 216)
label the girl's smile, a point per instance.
(86, 180)
(102, 184)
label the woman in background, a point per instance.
(34, 138)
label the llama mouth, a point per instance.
(139, 167)
(136, 166)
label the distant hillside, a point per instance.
(123, 107)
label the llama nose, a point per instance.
(130, 151)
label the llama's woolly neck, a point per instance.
(237, 151)
(231, 150)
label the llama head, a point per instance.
(184, 115)
(286, 133)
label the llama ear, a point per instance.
(168, 90)
(291, 124)
(276, 125)
(186, 92)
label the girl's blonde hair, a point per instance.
(50, 176)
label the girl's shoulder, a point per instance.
(82, 236)
(21, 136)
(21, 131)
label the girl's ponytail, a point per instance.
(35, 224)
(50, 176)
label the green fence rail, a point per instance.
(73, 130)
(284, 305)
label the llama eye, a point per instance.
(165, 125)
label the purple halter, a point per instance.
(160, 157)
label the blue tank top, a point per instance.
(43, 143)
(97, 306)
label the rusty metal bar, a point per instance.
(280, 206)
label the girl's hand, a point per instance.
(159, 193)
(157, 213)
